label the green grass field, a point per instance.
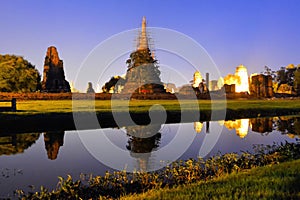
(67, 106)
(269, 182)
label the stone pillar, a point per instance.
(207, 80)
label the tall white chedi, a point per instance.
(243, 79)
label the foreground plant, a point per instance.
(116, 184)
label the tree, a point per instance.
(281, 75)
(18, 75)
(114, 82)
(269, 71)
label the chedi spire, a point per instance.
(143, 38)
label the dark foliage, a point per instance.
(18, 75)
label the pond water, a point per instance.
(39, 158)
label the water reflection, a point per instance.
(199, 125)
(241, 126)
(24, 161)
(142, 141)
(16, 143)
(288, 125)
(145, 139)
(262, 125)
(53, 141)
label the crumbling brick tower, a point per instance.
(54, 75)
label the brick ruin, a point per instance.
(54, 76)
(261, 86)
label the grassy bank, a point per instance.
(29, 107)
(45, 115)
(268, 182)
(193, 178)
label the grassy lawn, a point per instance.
(270, 182)
(65, 106)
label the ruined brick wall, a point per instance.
(261, 86)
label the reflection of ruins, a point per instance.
(288, 125)
(53, 141)
(262, 125)
(142, 141)
(240, 125)
(199, 125)
(17, 143)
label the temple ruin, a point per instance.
(261, 86)
(143, 75)
(54, 75)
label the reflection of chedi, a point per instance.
(143, 140)
(240, 125)
(142, 75)
(54, 75)
(198, 126)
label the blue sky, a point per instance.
(254, 33)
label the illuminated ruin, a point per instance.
(240, 79)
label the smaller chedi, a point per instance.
(90, 88)
(197, 79)
(197, 87)
(54, 75)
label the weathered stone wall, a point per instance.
(261, 86)
(262, 125)
(229, 88)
